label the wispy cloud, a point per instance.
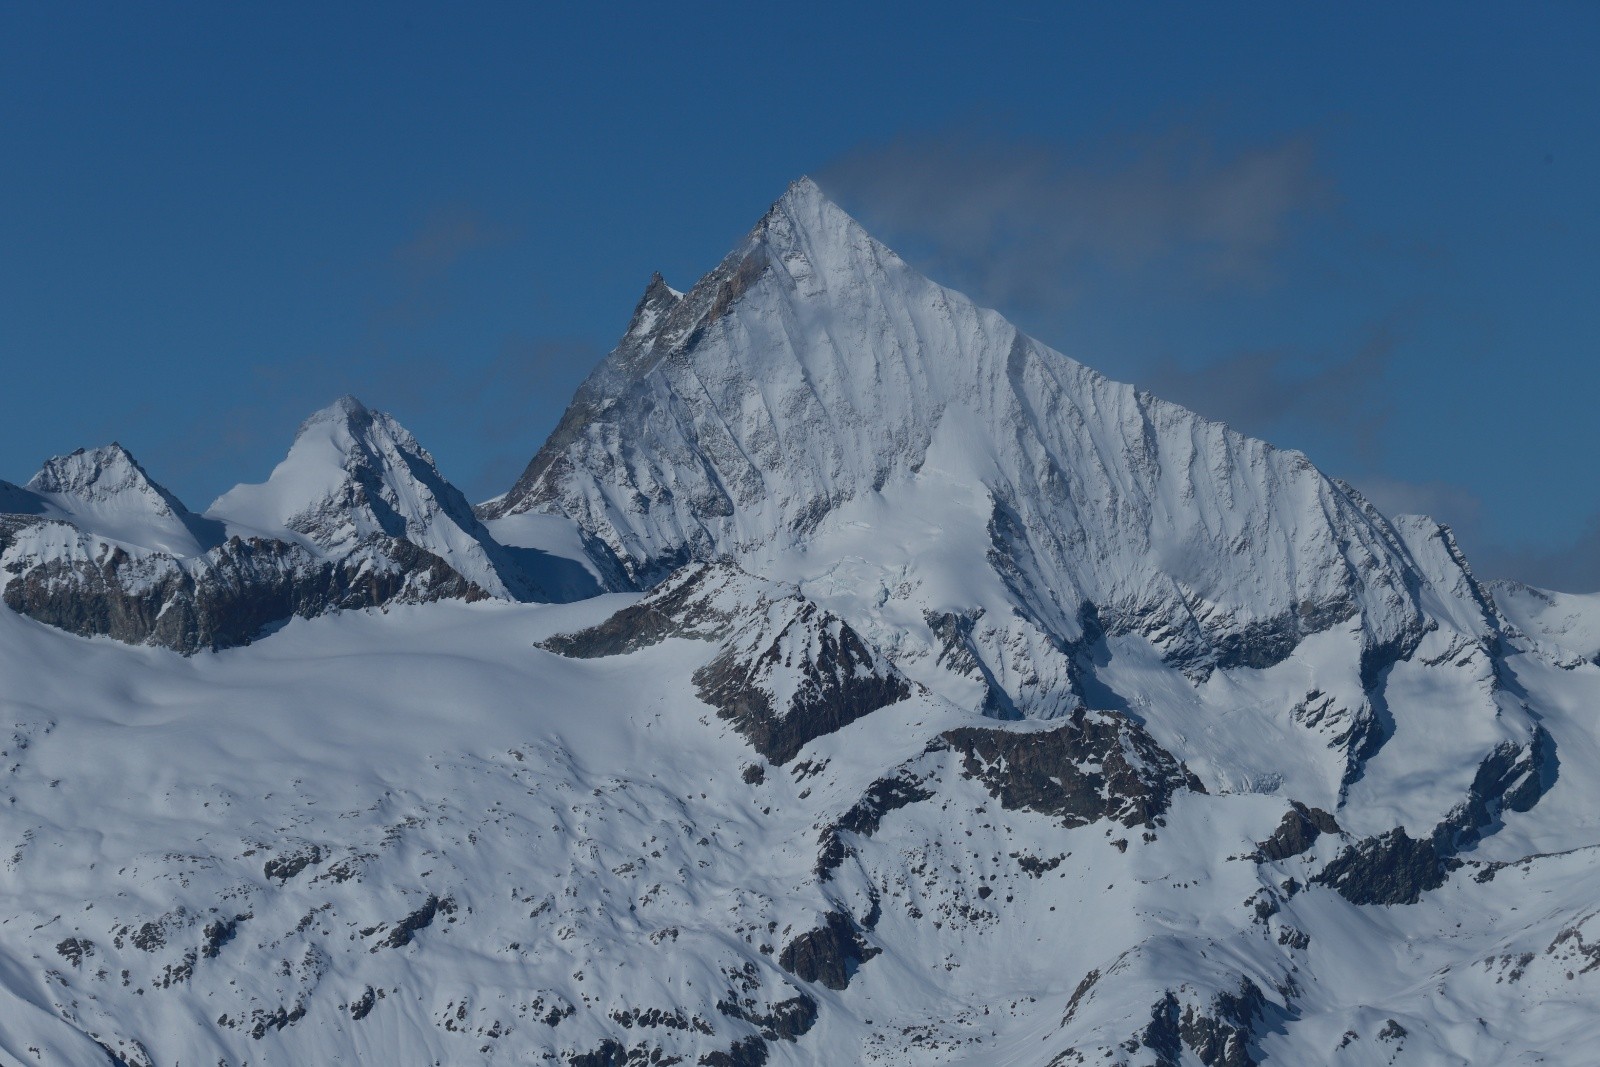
(1026, 221)
(1573, 567)
(446, 235)
(1448, 503)
(1260, 392)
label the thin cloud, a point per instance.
(1260, 392)
(1454, 505)
(1573, 567)
(1026, 221)
(443, 239)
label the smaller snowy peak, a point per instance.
(1568, 620)
(354, 482)
(100, 474)
(106, 493)
(351, 473)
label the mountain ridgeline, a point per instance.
(848, 678)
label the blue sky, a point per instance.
(1368, 231)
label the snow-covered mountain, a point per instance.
(355, 483)
(1566, 620)
(849, 679)
(816, 407)
(356, 516)
(105, 492)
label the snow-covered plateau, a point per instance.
(850, 678)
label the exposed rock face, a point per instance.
(866, 815)
(355, 483)
(786, 672)
(224, 598)
(1299, 830)
(831, 676)
(1092, 767)
(1395, 868)
(1216, 1022)
(1220, 1034)
(699, 603)
(829, 954)
(751, 1052)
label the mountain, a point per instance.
(814, 404)
(105, 492)
(355, 483)
(994, 515)
(356, 516)
(850, 678)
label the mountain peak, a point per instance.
(346, 413)
(354, 481)
(805, 223)
(97, 474)
(804, 198)
(657, 303)
(105, 491)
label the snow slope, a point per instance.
(416, 836)
(105, 492)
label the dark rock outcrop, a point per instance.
(1093, 766)
(407, 928)
(1299, 830)
(842, 679)
(1396, 868)
(830, 954)
(1392, 869)
(222, 599)
(766, 631)
(866, 815)
(1220, 1036)
(751, 1052)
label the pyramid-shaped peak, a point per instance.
(803, 219)
(95, 474)
(657, 302)
(348, 405)
(344, 440)
(804, 190)
(105, 492)
(349, 428)
(355, 480)
(347, 410)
